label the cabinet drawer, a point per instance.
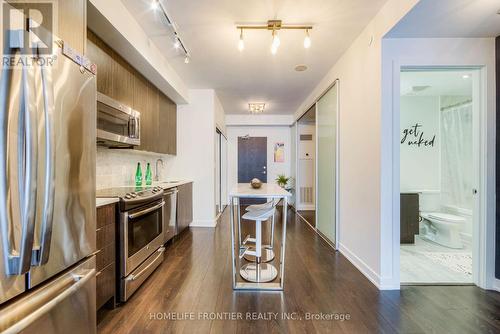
(105, 285)
(105, 215)
(105, 235)
(105, 256)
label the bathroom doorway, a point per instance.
(306, 167)
(439, 174)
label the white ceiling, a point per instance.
(436, 83)
(450, 19)
(208, 29)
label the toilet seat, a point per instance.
(446, 217)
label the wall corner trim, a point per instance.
(369, 273)
(203, 223)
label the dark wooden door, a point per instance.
(252, 159)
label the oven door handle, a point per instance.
(134, 277)
(146, 211)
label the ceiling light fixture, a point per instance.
(241, 43)
(155, 5)
(466, 76)
(300, 68)
(275, 26)
(275, 43)
(307, 40)
(178, 43)
(256, 108)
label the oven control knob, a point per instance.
(134, 195)
(128, 196)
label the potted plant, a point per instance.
(282, 180)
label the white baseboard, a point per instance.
(496, 284)
(306, 207)
(203, 223)
(361, 266)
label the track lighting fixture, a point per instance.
(275, 26)
(178, 43)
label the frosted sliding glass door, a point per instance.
(326, 122)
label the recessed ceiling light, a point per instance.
(256, 108)
(466, 76)
(300, 68)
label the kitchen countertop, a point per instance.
(105, 201)
(164, 184)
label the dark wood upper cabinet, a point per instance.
(168, 125)
(120, 81)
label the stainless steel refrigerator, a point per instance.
(47, 195)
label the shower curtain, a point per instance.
(456, 156)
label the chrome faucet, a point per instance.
(157, 175)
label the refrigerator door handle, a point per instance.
(43, 302)
(41, 255)
(5, 82)
(19, 261)
(27, 161)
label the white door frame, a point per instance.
(481, 240)
(336, 85)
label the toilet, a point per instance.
(443, 229)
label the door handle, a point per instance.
(134, 277)
(19, 261)
(41, 255)
(27, 161)
(42, 302)
(146, 211)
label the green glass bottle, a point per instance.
(138, 175)
(149, 176)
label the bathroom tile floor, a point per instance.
(428, 263)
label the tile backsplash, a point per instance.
(116, 167)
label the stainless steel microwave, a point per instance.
(118, 125)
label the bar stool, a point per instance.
(267, 250)
(257, 271)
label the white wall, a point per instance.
(293, 163)
(306, 155)
(432, 52)
(220, 116)
(274, 134)
(196, 153)
(360, 115)
(265, 120)
(420, 166)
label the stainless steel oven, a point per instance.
(142, 235)
(117, 124)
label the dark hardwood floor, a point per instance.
(309, 216)
(195, 278)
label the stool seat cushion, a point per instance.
(259, 214)
(263, 206)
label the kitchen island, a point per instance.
(267, 192)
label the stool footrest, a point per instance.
(247, 251)
(248, 239)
